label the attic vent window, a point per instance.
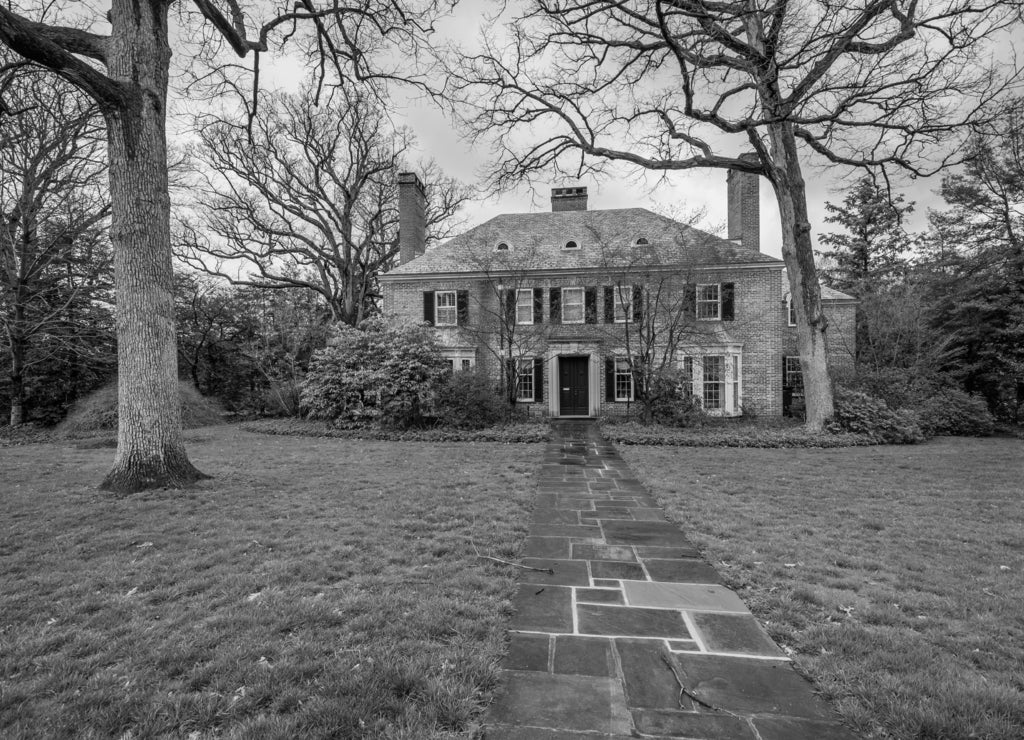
(502, 247)
(641, 241)
(571, 245)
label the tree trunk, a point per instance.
(150, 450)
(17, 372)
(798, 254)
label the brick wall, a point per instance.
(759, 325)
(840, 336)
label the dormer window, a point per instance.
(502, 247)
(571, 245)
(642, 242)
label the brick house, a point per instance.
(575, 307)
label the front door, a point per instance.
(573, 386)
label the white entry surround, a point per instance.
(574, 349)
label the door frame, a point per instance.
(593, 382)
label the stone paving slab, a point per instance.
(633, 625)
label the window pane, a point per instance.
(793, 377)
(524, 307)
(714, 381)
(446, 313)
(687, 379)
(623, 380)
(524, 380)
(708, 305)
(467, 364)
(623, 297)
(572, 305)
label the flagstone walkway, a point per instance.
(633, 635)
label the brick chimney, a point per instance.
(412, 217)
(745, 206)
(568, 199)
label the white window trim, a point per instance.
(615, 379)
(454, 308)
(626, 307)
(520, 373)
(732, 380)
(583, 306)
(497, 247)
(717, 302)
(455, 357)
(529, 293)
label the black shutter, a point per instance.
(462, 306)
(538, 305)
(728, 301)
(428, 306)
(609, 304)
(609, 379)
(590, 305)
(638, 303)
(538, 379)
(555, 302)
(690, 301)
(508, 304)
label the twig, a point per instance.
(549, 571)
(683, 690)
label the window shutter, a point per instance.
(538, 379)
(538, 305)
(590, 305)
(609, 379)
(638, 303)
(728, 301)
(509, 305)
(462, 306)
(690, 301)
(428, 306)
(609, 304)
(555, 302)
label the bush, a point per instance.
(467, 400)
(527, 432)
(666, 402)
(951, 411)
(382, 371)
(859, 413)
(97, 412)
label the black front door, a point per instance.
(573, 386)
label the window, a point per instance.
(467, 364)
(572, 305)
(623, 304)
(460, 359)
(571, 245)
(524, 306)
(623, 380)
(791, 311)
(687, 379)
(524, 380)
(734, 397)
(641, 242)
(714, 382)
(445, 310)
(792, 376)
(502, 247)
(709, 302)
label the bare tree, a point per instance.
(306, 197)
(52, 205)
(126, 72)
(671, 85)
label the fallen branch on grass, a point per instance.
(549, 571)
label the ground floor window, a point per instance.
(623, 380)
(460, 359)
(715, 380)
(525, 390)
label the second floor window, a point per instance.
(792, 312)
(524, 306)
(709, 304)
(572, 305)
(623, 303)
(446, 311)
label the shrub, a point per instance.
(383, 371)
(467, 400)
(666, 402)
(97, 412)
(859, 413)
(952, 411)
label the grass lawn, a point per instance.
(895, 575)
(314, 588)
